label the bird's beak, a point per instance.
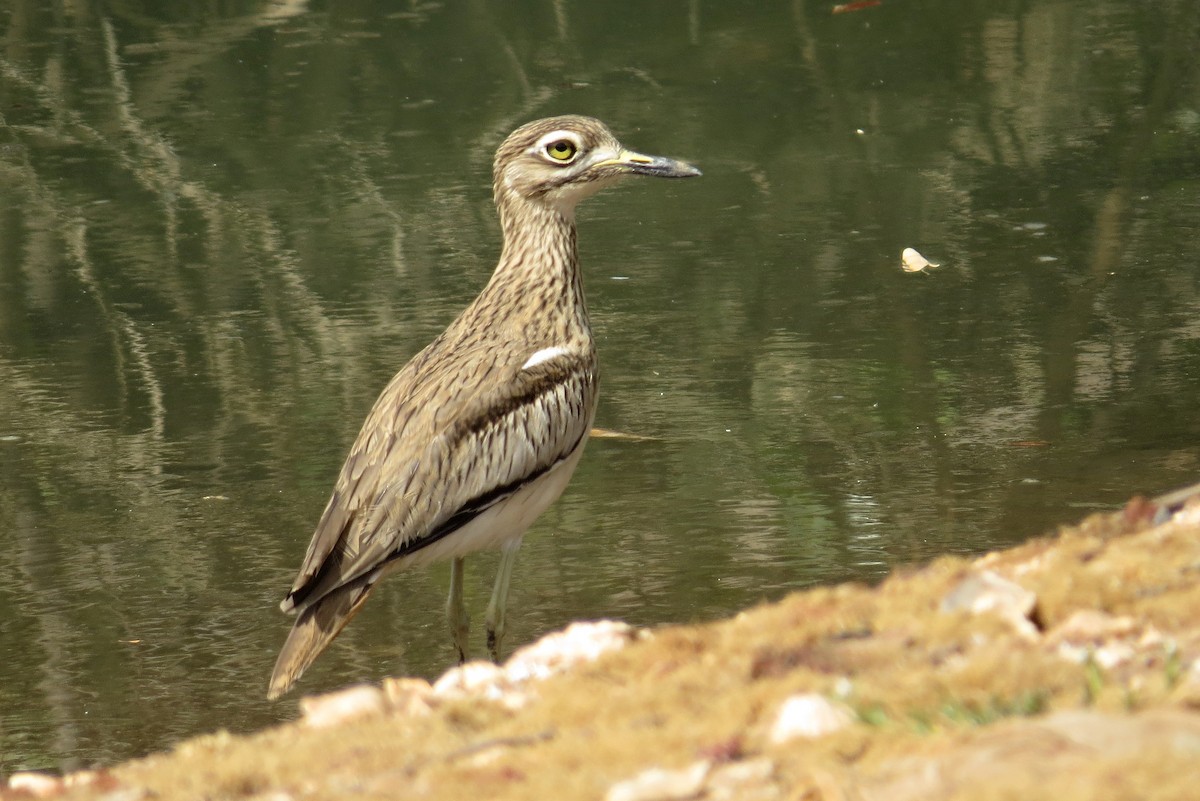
(659, 166)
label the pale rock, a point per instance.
(741, 781)
(1189, 515)
(1073, 653)
(479, 679)
(94, 779)
(659, 784)
(1105, 656)
(556, 652)
(334, 709)
(469, 678)
(1113, 654)
(986, 592)
(1090, 625)
(1029, 565)
(408, 697)
(1105, 639)
(808, 715)
(1153, 638)
(38, 785)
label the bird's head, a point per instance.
(559, 161)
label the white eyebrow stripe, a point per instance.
(554, 136)
(544, 355)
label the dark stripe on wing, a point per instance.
(475, 507)
(534, 385)
(538, 381)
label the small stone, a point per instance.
(659, 784)
(470, 679)
(578, 642)
(809, 715)
(1189, 515)
(334, 709)
(1073, 653)
(988, 592)
(1113, 654)
(1107, 640)
(741, 781)
(1090, 625)
(479, 679)
(38, 785)
(93, 779)
(408, 697)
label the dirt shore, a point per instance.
(1065, 668)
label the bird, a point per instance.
(482, 429)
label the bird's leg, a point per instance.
(456, 610)
(498, 605)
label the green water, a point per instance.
(223, 226)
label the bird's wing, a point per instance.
(438, 449)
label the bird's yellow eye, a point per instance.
(562, 150)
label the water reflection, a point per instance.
(222, 230)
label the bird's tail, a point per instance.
(312, 632)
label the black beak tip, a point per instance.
(667, 168)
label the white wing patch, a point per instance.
(544, 355)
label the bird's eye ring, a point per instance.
(563, 150)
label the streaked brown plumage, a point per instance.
(482, 429)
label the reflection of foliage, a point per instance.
(220, 232)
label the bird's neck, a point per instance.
(538, 272)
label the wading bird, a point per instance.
(482, 430)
